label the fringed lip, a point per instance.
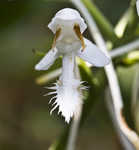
(67, 99)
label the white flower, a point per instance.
(137, 5)
(68, 26)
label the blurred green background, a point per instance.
(25, 122)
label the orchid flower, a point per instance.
(137, 5)
(68, 26)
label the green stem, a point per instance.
(104, 25)
(130, 22)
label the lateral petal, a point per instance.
(47, 60)
(93, 55)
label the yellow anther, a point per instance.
(79, 35)
(58, 32)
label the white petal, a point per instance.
(47, 60)
(137, 5)
(93, 55)
(67, 16)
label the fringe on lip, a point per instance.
(67, 98)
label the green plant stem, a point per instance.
(104, 25)
(127, 25)
(112, 78)
(124, 49)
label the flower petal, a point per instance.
(93, 55)
(47, 60)
(67, 16)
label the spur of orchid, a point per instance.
(68, 27)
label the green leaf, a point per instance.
(127, 26)
(127, 60)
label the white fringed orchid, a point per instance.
(137, 4)
(68, 26)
